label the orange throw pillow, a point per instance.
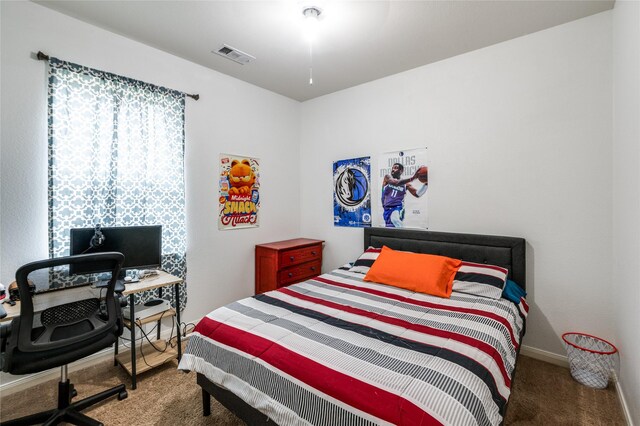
(423, 273)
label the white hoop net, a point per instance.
(591, 359)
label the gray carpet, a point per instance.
(543, 394)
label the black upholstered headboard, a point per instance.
(508, 252)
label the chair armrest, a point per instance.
(5, 332)
(121, 302)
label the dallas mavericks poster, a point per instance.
(352, 192)
(402, 179)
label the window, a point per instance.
(116, 157)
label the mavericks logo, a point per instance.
(351, 187)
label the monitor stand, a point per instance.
(104, 283)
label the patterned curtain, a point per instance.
(116, 157)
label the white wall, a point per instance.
(626, 196)
(519, 137)
(231, 116)
(519, 141)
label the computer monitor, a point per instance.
(141, 246)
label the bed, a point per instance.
(338, 350)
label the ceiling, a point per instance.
(357, 42)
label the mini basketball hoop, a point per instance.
(591, 359)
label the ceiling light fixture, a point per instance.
(310, 32)
(310, 29)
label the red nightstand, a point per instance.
(282, 263)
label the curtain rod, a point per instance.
(44, 57)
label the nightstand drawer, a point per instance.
(299, 273)
(306, 254)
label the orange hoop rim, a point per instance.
(590, 350)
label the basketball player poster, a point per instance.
(401, 189)
(239, 190)
(352, 192)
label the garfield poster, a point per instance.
(239, 188)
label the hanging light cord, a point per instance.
(311, 64)
(311, 15)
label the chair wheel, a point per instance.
(74, 393)
(122, 395)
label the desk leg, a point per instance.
(177, 290)
(133, 341)
(159, 321)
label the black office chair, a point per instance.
(69, 332)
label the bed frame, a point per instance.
(508, 252)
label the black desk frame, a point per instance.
(132, 305)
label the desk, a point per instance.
(155, 281)
(45, 300)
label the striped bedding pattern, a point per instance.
(335, 350)
(481, 280)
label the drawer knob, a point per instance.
(313, 253)
(313, 268)
(290, 274)
(291, 258)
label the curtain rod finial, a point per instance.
(42, 57)
(196, 97)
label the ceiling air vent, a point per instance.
(234, 54)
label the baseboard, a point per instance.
(546, 356)
(623, 401)
(29, 380)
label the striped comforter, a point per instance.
(336, 350)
